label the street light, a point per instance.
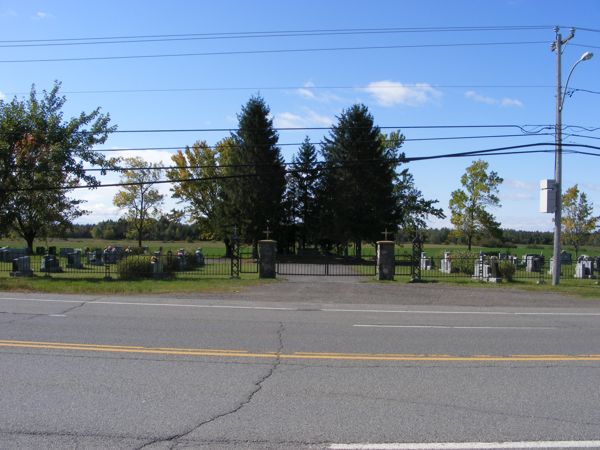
(557, 46)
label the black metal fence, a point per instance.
(82, 266)
(327, 266)
(532, 269)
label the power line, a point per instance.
(498, 151)
(223, 36)
(275, 51)
(278, 33)
(440, 138)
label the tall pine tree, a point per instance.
(359, 180)
(302, 185)
(254, 197)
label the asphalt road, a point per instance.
(275, 367)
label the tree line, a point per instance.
(345, 191)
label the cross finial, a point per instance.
(386, 233)
(267, 231)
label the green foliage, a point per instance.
(139, 198)
(42, 156)
(357, 188)
(134, 268)
(201, 197)
(468, 205)
(507, 270)
(463, 262)
(301, 195)
(413, 209)
(254, 198)
(578, 221)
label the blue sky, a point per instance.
(403, 86)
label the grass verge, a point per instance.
(120, 287)
(582, 288)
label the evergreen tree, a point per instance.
(254, 198)
(359, 179)
(302, 186)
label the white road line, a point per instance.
(453, 327)
(303, 309)
(490, 313)
(57, 315)
(469, 445)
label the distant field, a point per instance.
(209, 248)
(217, 248)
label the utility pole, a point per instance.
(557, 47)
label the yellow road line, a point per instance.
(292, 356)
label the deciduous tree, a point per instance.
(468, 205)
(139, 198)
(42, 157)
(578, 220)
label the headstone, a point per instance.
(8, 254)
(157, 265)
(52, 250)
(74, 260)
(50, 264)
(566, 258)
(40, 251)
(199, 257)
(182, 260)
(21, 267)
(533, 263)
(94, 257)
(64, 251)
(584, 267)
(426, 262)
(446, 263)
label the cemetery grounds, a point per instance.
(215, 275)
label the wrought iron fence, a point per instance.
(327, 266)
(84, 266)
(487, 268)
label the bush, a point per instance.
(464, 262)
(134, 267)
(507, 270)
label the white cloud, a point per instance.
(310, 118)
(390, 93)
(517, 196)
(2, 96)
(9, 13)
(151, 156)
(309, 92)
(511, 102)
(592, 187)
(505, 102)
(521, 184)
(480, 98)
(41, 15)
(306, 92)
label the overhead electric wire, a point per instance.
(324, 165)
(305, 32)
(274, 51)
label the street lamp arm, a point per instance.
(585, 57)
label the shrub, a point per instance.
(507, 270)
(463, 262)
(134, 267)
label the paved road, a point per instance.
(255, 371)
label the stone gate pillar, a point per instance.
(267, 257)
(385, 260)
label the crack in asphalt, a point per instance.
(174, 439)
